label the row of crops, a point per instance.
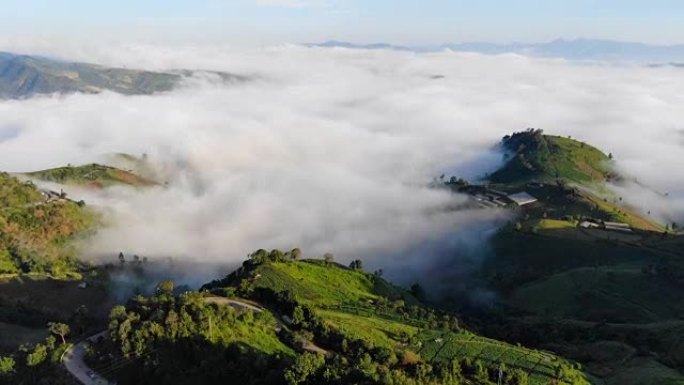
(446, 346)
(372, 312)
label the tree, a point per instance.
(356, 264)
(59, 329)
(296, 253)
(305, 365)
(165, 287)
(276, 255)
(328, 257)
(418, 291)
(38, 355)
(122, 259)
(610, 156)
(298, 317)
(6, 365)
(410, 358)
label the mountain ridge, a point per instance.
(571, 49)
(24, 76)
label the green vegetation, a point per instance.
(91, 175)
(356, 314)
(320, 283)
(186, 339)
(538, 157)
(36, 235)
(35, 364)
(609, 298)
(616, 294)
(24, 76)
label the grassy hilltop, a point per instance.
(91, 175)
(608, 298)
(533, 156)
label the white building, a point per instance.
(522, 198)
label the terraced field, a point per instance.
(446, 346)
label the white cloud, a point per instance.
(331, 149)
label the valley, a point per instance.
(589, 289)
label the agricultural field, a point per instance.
(616, 294)
(446, 346)
(378, 331)
(348, 300)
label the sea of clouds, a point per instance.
(333, 150)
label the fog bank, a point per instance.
(332, 150)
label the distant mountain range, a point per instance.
(23, 76)
(578, 49)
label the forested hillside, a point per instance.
(37, 229)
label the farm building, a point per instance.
(522, 198)
(617, 226)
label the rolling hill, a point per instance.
(581, 266)
(533, 156)
(91, 175)
(338, 303)
(23, 76)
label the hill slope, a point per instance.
(343, 306)
(564, 266)
(35, 234)
(534, 156)
(92, 175)
(24, 76)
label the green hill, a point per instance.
(560, 268)
(36, 236)
(533, 156)
(91, 175)
(343, 306)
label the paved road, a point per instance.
(73, 362)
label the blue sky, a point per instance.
(396, 21)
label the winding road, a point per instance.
(73, 362)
